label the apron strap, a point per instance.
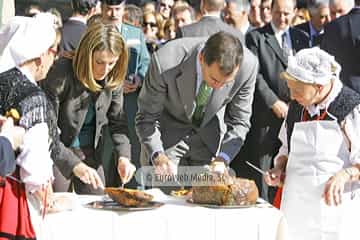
(346, 136)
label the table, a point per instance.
(176, 220)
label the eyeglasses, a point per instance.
(151, 24)
(165, 5)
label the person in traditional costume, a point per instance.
(28, 47)
(86, 90)
(320, 153)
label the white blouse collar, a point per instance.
(315, 109)
(27, 74)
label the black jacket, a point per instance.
(342, 40)
(71, 102)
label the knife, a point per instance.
(282, 177)
(256, 168)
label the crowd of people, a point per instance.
(125, 84)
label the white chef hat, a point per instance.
(25, 38)
(314, 66)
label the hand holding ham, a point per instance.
(164, 166)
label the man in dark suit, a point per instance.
(74, 27)
(210, 23)
(272, 44)
(342, 40)
(319, 16)
(172, 127)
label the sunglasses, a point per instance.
(151, 24)
(165, 5)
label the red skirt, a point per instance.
(15, 222)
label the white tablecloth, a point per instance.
(176, 220)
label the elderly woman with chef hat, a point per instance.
(28, 47)
(320, 153)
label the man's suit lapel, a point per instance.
(186, 82)
(273, 43)
(354, 26)
(216, 100)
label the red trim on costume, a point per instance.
(306, 116)
(277, 198)
(15, 221)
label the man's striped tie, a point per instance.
(201, 99)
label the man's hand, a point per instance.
(13, 133)
(132, 84)
(218, 165)
(125, 169)
(88, 175)
(280, 109)
(164, 166)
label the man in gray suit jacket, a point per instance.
(164, 122)
(210, 23)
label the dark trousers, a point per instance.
(130, 106)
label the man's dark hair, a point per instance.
(213, 5)
(83, 6)
(357, 2)
(224, 49)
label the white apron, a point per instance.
(318, 151)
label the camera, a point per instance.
(131, 79)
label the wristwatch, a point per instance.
(155, 155)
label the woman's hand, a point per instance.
(126, 169)
(88, 175)
(44, 195)
(275, 177)
(334, 188)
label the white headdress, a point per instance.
(25, 38)
(313, 65)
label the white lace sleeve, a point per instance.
(283, 151)
(352, 126)
(34, 159)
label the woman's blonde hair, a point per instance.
(100, 37)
